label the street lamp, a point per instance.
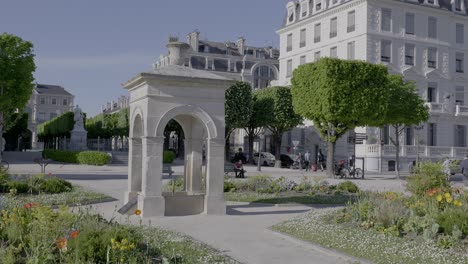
(418, 128)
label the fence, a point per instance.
(99, 144)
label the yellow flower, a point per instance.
(137, 212)
(439, 198)
(447, 195)
(449, 199)
(457, 203)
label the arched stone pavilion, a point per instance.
(195, 99)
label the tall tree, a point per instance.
(259, 118)
(406, 109)
(283, 117)
(340, 95)
(16, 76)
(238, 109)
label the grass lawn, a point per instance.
(319, 227)
(289, 198)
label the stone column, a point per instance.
(194, 170)
(151, 202)
(134, 168)
(34, 139)
(214, 199)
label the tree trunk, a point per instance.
(251, 143)
(2, 144)
(397, 146)
(278, 138)
(227, 146)
(330, 159)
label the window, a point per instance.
(317, 56)
(432, 28)
(460, 136)
(458, 5)
(318, 6)
(409, 24)
(351, 21)
(409, 136)
(42, 100)
(289, 43)
(351, 50)
(432, 57)
(42, 117)
(289, 68)
(385, 51)
(304, 8)
(333, 52)
(302, 60)
(65, 102)
(302, 42)
(333, 27)
(459, 95)
(54, 101)
(459, 62)
(53, 115)
(386, 24)
(460, 34)
(317, 33)
(409, 54)
(431, 93)
(431, 134)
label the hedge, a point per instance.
(168, 156)
(60, 126)
(108, 125)
(78, 157)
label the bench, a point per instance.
(167, 169)
(229, 168)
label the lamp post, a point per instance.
(418, 128)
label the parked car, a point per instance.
(286, 161)
(268, 159)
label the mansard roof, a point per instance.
(222, 48)
(51, 90)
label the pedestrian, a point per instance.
(299, 161)
(464, 170)
(307, 160)
(321, 160)
(446, 165)
(239, 169)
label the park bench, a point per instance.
(167, 169)
(229, 168)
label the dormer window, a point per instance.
(291, 12)
(458, 6)
(318, 5)
(304, 8)
(432, 2)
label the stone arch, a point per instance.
(135, 162)
(258, 81)
(187, 110)
(136, 115)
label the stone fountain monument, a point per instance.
(79, 135)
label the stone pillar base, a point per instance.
(215, 205)
(129, 195)
(151, 205)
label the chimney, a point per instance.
(241, 45)
(193, 39)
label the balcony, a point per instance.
(461, 110)
(435, 108)
(389, 151)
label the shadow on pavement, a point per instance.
(89, 177)
(231, 211)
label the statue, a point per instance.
(78, 118)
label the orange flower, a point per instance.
(74, 234)
(137, 212)
(61, 243)
(30, 205)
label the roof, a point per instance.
(443, 4)
(51, 89)
(222, 47)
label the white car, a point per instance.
(268, 159)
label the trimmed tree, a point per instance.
(283, 117)
(238, 109)
(340, 95)
(16, 76)
(259, 118)
(406, 109)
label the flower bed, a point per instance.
(432, 224)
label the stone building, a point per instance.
(46, 102)
(116, 105)
(233, 60)
(424, 40)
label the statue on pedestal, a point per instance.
(78, 118)
(78, 139)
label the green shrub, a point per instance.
(177, 185)
(430, 176)
(229, 186)
(168, 156)
(56, 185)
(258, 183)
(61, 155)
(93, 158)
(20, 186)
(348, 186)
(390, 213)
(4, 178)
(450, 218)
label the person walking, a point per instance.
(464, 170)
(299, 161)
(307, 160)
(320, 159)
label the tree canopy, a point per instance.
(16, 76)
(59, 126)
(109, 125)
(282, 116)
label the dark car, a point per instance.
(286, 161)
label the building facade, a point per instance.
(46, 102)
(258, 66)
(423, 40)
(116, 105)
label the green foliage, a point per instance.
(238, 106)
(19, 186)
(348, 186)
(283, 117)
(18, 126)
(61, 155)
(451, 219)
(16, 75)
(168, 157)
(430, 176)
(109, 125)
(59, 126)
(229, 186)
(93, 158)
(56, 185)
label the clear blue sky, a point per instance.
(90, 47)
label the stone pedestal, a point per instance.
(78, 140)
